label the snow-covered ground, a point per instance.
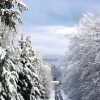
(60, 94)
(64, 96)
(52, 97)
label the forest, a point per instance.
(24, 75)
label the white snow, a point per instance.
(2, 53)
(64, 96)
(55, 83)
(52, 96)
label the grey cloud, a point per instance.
(58, 12)
(50, 39)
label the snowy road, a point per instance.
(52, 96)
(57, 93)
(64, 96)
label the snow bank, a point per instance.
(52, 96)
(64, 96)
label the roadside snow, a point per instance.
(55, 83)
(64, 96)
(52, 97)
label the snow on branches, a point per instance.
(82, 66)
(10, 15)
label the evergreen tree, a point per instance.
(29, 84)
(9, 15)
(82, 67)
(20, 66)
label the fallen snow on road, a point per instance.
(55, 83)
(52, 97)
(64, 96)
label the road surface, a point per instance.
(58, 95)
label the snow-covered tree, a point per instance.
(10, 19)
(23, 76)
(20, 77)
(90, 30)
(70, 72)
(10, 15)
(45, 75)
(8, 76)
(21, 66)
(82, 62)
(30, 85)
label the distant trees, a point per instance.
(81, 71)
(45, 75)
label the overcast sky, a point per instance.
(47, 21)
